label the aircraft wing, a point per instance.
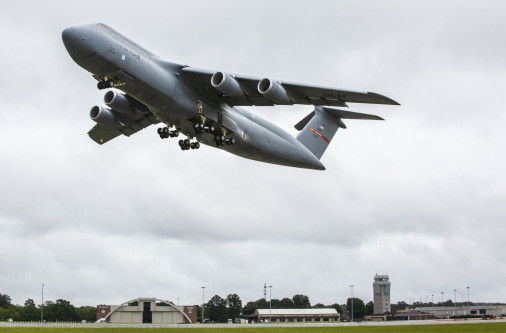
(291, 93)
(101, 133)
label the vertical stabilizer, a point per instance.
(319, 127)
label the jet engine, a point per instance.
(273, 91)
(107, 117)
(226, 84)
(123, 104)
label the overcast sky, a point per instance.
(420, 197)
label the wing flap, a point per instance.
(102, 134)
(200, 79)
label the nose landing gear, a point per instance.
(109, 81)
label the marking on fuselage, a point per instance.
(319, 134)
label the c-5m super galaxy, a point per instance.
(203, 105)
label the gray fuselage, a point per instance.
(165, 89)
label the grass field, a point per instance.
(485, 327)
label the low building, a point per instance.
(147, 311)
(478, 310)
(317, 315)
(412, 315)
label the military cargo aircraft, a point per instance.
(203, 105)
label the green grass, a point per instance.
(457, 328)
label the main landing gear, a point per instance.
(222, 139)
(222, 136)
(185, 144)
(165, 133)
(201, 127)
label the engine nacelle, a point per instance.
(226, 84)
(106, 117)
(273, 91)
(123, 104)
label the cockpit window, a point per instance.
(100, 25)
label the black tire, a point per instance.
(197, 145)
(99, 86)
(181, 143)
(232, 141)
(187, 142)
(176, 133)
(159, 130)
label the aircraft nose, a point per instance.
(76, 42)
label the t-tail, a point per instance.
(319, 127)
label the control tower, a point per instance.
(381, 288)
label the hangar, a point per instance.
(147, 311)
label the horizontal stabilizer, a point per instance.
(319, 127)
(349, 114)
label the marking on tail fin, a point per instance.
(319, 134)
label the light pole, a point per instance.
(270, 304)
(455, 291)
(468, 296)
(42, 306)
(351, 286)
(203, 303)
(432, 299)
(442, 293)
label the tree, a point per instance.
(276, 303)
(29, 302)
(369, 308)
(234, 305)
(358, 307)
(301, 301)
(29, 312)
(319, 306)
(339, 308)
(217, 309)
(401, 305)
(5, 301)
(249, 308)
(61, 310)
(88, 313)
(286, 303)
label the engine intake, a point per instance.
(107, 117)
(123, 104)
(226, 84)
(273, 91)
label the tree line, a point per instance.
(219, 309)
(61, 310)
